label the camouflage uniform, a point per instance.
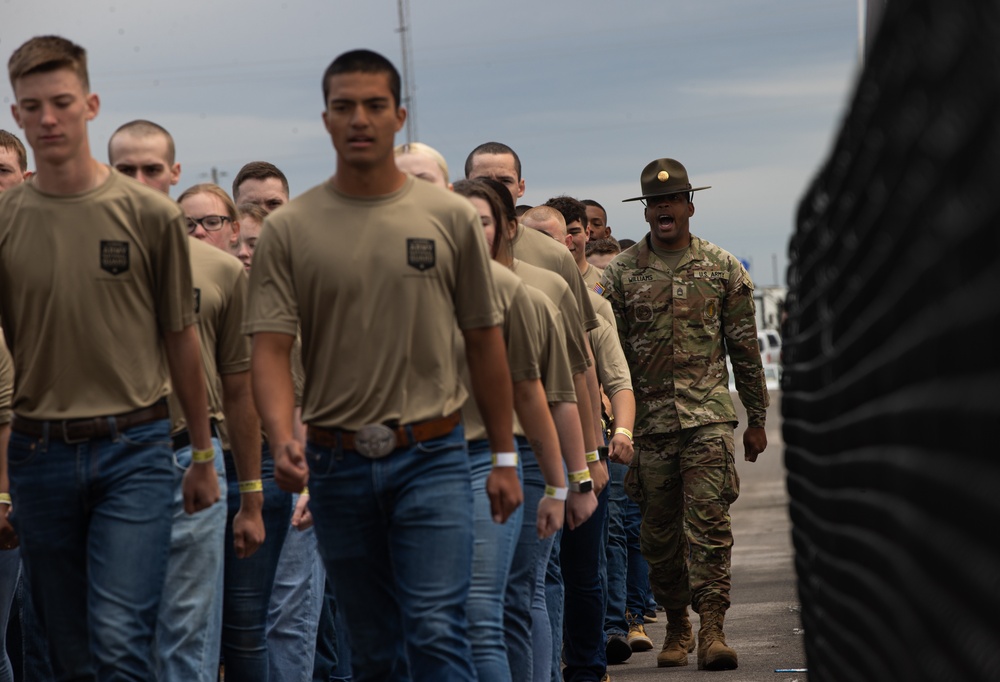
(675, 328)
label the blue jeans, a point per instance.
(94, 521)
(523, 571)
(638, 595)
(35, 662)
(10, 569)
(583, 606)
(189, 625)
(248, 581)
(617, 553)
(541, 625)
(294, 612)
(396, 538)
(554, 594)
(492, 552)
(332, 662)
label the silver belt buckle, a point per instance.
(375, 441)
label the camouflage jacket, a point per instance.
(676, 327)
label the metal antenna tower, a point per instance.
(408, 97)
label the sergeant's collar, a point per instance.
(695, 252)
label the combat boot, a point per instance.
(679, 640)
(713, 654)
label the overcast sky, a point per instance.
(746, 93)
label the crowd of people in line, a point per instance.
(404, 428)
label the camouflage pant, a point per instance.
(684, 483)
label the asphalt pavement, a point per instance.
(763, 624)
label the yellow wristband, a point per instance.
(579, 476)
(555, 493)
(625, 432)
(5, 498)
(593, 457)
(203, 456)
(254, 486)
(505, 459)
(305, 491)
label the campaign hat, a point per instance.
(664, 176)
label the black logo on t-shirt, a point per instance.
(114, 257)
(197, 300)
(420, 253)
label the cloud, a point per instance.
(827, 80)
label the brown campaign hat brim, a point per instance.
(660, 194)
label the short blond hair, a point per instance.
(214, 190)
(48, 53)
(426, 150)
(253, 212)
(10, 141)
(143, 128)
(542, 214)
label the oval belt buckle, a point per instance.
(375, 441)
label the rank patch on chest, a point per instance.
(680, 291)
(114, 257)
(420, 253)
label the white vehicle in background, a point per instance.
(770, 347)
(772, 376)
(769, 342)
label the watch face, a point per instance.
(586, 486)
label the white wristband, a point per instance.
(556, 493)
(505, 459)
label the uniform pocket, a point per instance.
(633, 481)
(731, 482)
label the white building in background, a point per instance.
(770, 302)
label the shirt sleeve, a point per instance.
(233, 346)
(523, 347)
(740, 328)
(612, 367)
(271, 303)
(171, 267)
(476, 303)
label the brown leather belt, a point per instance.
(378, 440)
(182, 438)
(79, 430)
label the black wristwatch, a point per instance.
(602, 452)
(582, 486)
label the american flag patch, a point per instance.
(598, 288)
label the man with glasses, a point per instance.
(681, 304)
(189, 623)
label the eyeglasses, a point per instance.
(676, 198)
(211, 223)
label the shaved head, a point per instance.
(546, 219)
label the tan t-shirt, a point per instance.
(558, 292)
(220, 297)
(531, 246)
(379, 284)
(6, 381)
(521, 338)
(603, 308)
(612, 367)
(557, 376)
(592, 276)
(88, 283)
